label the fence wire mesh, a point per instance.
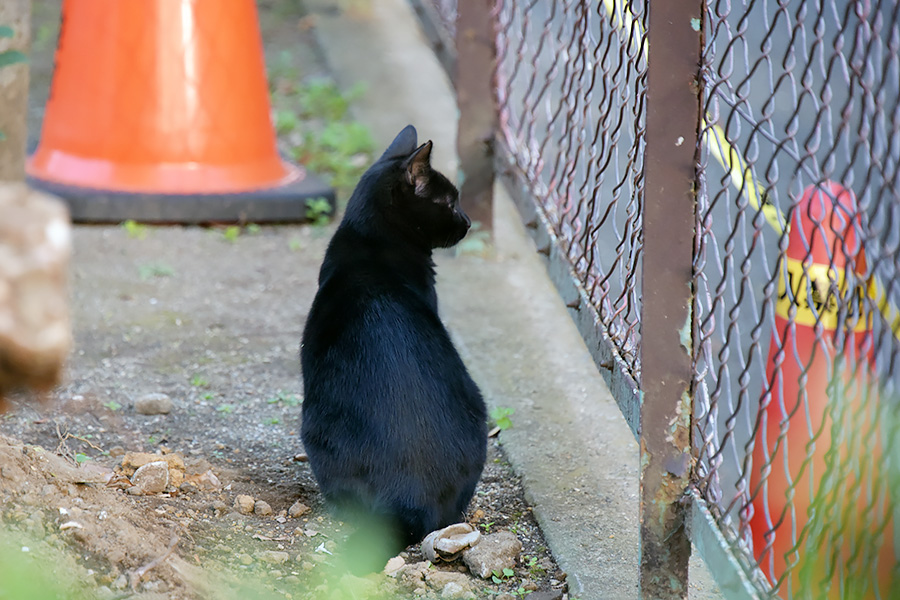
(796, 333)
(795, 276)
(570, 87)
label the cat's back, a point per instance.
(364, 285)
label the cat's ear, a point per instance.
(418, 165)
(403, 145)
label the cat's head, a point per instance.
(410, 197)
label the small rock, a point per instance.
(494, 552)
(292, 579)
(219, 506)
(153, 404)
(154, 585)
(117, 451)
(276, 574)
(152, 478)
(545, 595)
(453, 590)
(135, 490)
(394, 565)
(506, 597)
(209, 480)
(244, 504)
(189, 488)
(262, 508)
(120, 583)
(307, 566)
(273, 557)
(439, 580)
(135, 460)
(412, 575)
(297, 510)
(245, 559)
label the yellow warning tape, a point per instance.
(815, 299)
(741, 174)
(713, 138)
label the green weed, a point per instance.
(285, 399)
(43, 36)
(198, 380)
(151, 270)
(331, 143)
(112, 405)
(322, 99)
(318, 211)
(225, 409)
(286, 121)
(501, 416)
(341, 152)
(24, 570)
(135, 230)
(282, 69)
(10, 57)
(501, 576)
(231, 233)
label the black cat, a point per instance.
(394, 426)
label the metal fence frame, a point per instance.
(673, 515)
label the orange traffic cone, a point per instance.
(159, 111)
(820, 510)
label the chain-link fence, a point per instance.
(794, 277)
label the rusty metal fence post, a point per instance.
(669, 206)
(475, 46)
(15, 16)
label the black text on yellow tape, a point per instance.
(821, 299)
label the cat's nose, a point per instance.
(465, 219)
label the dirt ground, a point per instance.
(213, 322)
